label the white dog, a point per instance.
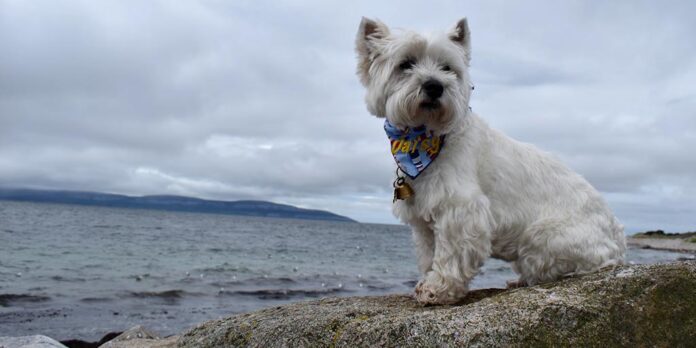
(485, 194)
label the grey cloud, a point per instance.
(260, 100)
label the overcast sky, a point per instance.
(254, 99)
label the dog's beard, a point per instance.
(413, 110)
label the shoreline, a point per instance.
(667, 244)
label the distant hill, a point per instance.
(666, 235)
(170, 203)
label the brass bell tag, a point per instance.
(402, 190)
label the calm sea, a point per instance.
(80, 272)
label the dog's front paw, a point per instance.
(423, 294)
(433, 289)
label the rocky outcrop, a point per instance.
(639, 306)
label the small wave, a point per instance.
(166, 294)
(96, 299)
(257, 282)
(271, 281)
(380, 286)
(7, 300)
(410, 283)
(66, 279)
(284, 294)
(223, 268)
(225, 250)
(167, 297)
(501, 269)
(107, 226)
(144, 276)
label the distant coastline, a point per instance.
(660, 240)
(170, 203)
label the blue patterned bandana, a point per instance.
(413, 148)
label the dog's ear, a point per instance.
(371, 35)
(461, 35)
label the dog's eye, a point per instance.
(446, 68)
(407, 64)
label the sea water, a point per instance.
(71, 271)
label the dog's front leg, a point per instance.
(424, 241)
(462, 243)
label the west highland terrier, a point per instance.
(469, 191)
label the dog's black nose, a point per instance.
(433, 88)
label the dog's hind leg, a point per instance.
(462, 243)
(553, 248)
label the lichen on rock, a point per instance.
(641, 306)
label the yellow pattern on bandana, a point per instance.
(414, 149)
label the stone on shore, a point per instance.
(139, 337)
(36, 341)
(641, 306)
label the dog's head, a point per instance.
(415, 80)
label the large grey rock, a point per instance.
(36, 341)
(638, 306)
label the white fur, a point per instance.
(485, 194)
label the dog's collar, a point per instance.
(414, 149)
